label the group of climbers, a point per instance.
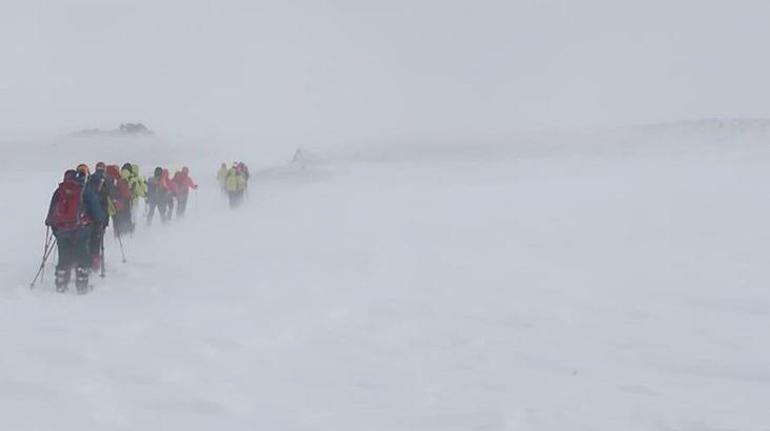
(76, 217)
(234, 181)
(162, 190)
(84, 202)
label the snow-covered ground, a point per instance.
(610, 281)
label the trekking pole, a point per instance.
(48, 236)
(46, 253)
(120, 241)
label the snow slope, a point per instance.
(610, 281)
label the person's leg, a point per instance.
(94, 247)
(130, 216)
(117, 221)
(125, 221)
(162, 208)
(170, 208)
(182, 205)
(125, 216)
(64, 266)
(82, 257)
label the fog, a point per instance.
(344, 70)
(447, 225)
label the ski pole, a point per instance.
(46, 254)
(48, 236)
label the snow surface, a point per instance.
(607, 281)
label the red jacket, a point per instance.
(124, 191)
(166, 182)
(122, 187)
(183, 182)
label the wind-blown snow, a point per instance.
(613, 281)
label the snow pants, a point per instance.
(121, 222)
(153, 204)
(169, 207)
(236, 197)
(181, 206)
(95, 246)
(73, 247)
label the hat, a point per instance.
(100, 166)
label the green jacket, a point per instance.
(137, 184)
(235, 181)
(140, 185)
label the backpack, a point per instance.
(124, 190)
(66, 211)
(153, 189)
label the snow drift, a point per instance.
(605, 280)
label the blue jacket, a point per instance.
(92, 203)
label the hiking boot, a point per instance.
(62, 279)
(81, 280)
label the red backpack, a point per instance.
(66, 212)
(124, 191)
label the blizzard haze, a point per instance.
(342, 69)
(493, 216)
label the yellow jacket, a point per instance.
(235, 181)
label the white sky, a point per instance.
(358, 69)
